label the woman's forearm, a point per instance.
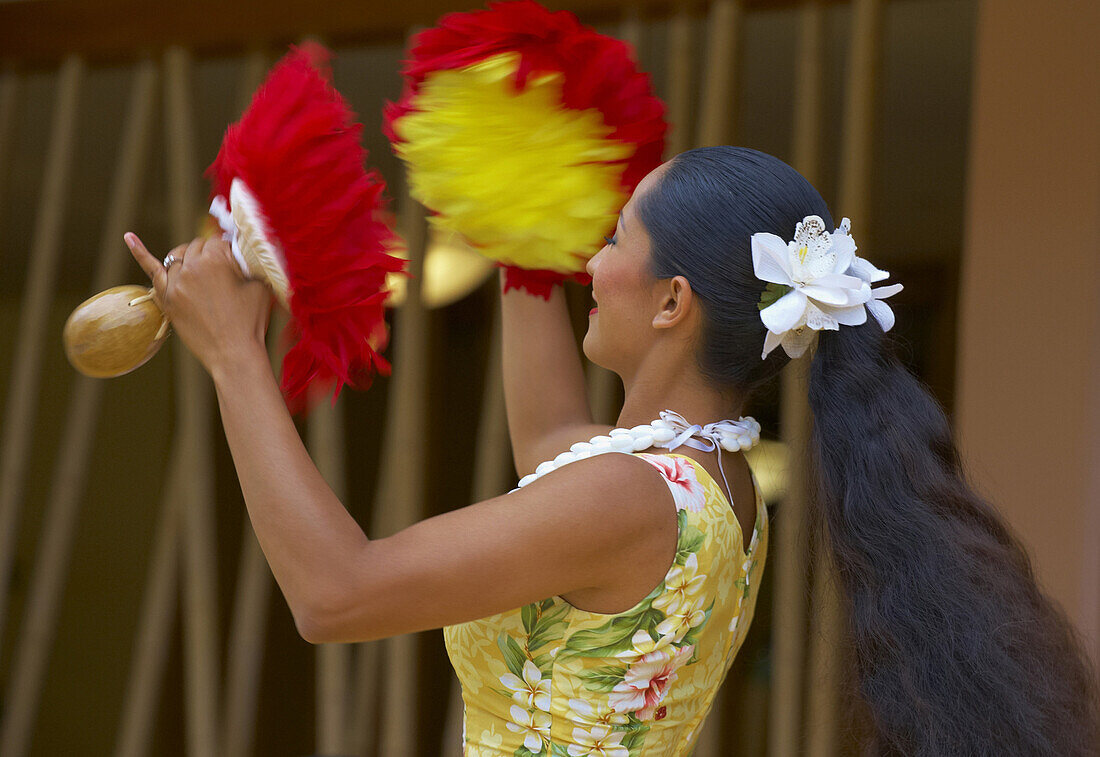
(304, 530)
(544, 387)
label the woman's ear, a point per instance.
(676, 301)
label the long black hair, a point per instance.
(956, 649)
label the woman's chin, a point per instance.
(588, 346)
(591, 350)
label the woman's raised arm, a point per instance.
(544, 388)
(447, 569)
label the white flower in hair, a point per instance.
(816, 282)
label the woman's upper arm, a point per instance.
(557, 441)
(584, 526)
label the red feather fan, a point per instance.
(298, 149)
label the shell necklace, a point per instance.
(668, 432)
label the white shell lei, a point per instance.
(668, 432)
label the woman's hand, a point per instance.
(216, 311)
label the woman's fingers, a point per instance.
(150, 264)
(193, 251)
(153, 267)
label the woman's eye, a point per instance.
(610, 240)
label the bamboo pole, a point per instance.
(248, 626)
(602, 384)
(326, 446)
(680, 46)
(155, 622)
(809, 97)
(9, 98)
(244, 659)
(718, 106)
(400, 496)
(51, 565)
(364, 714)
(789, 612)
(792, 545)
(630, 30)
(859, 113)
(493, 467)
(602, 393)
(27, 362)
(858, 143)
(193, 406)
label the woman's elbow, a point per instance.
(318, 617)
(332, 623)
(311, 629)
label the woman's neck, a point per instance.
(675, 385)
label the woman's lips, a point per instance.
(592, 312)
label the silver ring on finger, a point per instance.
(169, 259)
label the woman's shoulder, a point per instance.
(614, 483)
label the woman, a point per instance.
(596, 609)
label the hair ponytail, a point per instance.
(957, 651)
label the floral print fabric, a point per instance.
(550, 680)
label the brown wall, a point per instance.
(1029, 348)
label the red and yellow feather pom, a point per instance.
(298, 149)
(525, 132)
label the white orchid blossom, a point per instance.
(816, 281)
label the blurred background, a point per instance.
(136, 613)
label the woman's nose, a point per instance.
(590, 266)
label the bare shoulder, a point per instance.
(603, 504)
(613, 481)
(617, 515)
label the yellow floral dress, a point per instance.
(551, 680)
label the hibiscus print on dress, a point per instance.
(647, 680)
(687, 492)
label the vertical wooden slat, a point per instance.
(364, 710)
(248, 625)
(809, 94)
(332, 674)
(193, 406)
(602, 384)
(9, 97)
(718, 106)
(492, 467)
(602, 392)
(790, 559)
(680, 49)
(791, 545)
(859, 115)
(400, 494)
(630, 29)
(67, 484)
(857, 148)
(51, 564)
(27, 361)
(326, 447)
(155, 622)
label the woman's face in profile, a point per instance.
(622, 287)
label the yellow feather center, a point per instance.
(526, 180)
